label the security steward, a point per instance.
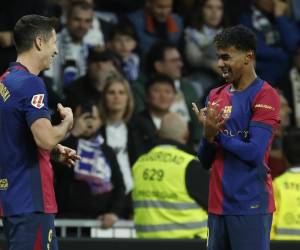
(170, 187)
(286, 219)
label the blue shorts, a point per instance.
(239, 232)
(33, 231)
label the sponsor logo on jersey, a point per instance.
(3, 184)
(226, 112)
(244, 134)
(37, 101)
(4, 92)
(264, 106)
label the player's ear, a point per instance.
(38, 42)
(249, 56)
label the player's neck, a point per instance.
(31, 65)
(245, 80)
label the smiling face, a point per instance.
(79, 22)
(48, 51)
(231, 62)
(161, 96)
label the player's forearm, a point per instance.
(61, 131)
(206, 153)
(252, 150)
(54, 135)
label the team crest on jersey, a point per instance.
(226, 112)
(37, 101)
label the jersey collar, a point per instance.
(17, 66)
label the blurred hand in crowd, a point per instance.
(108, 220)
(6, 39)
(280, 7)
(86, 124)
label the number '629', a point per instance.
(151, 174)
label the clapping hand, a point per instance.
(211, 119)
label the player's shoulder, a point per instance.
(32, 83)
(267, 90)
(24, 78)
(219, 89)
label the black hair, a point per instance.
(123, 27)
(80, 4)
(157, 53)
(291, 146)
(239, 37)
(159, 78)
(29, 27)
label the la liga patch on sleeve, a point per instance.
(37, 101)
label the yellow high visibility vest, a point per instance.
(286, 219)
(162, 206)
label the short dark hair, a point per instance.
(239, 37)
(291, 146)
(159, 78)
(29, 27)
(123, 27)
(157, 53)
(80, 4)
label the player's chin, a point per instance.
(47, 66)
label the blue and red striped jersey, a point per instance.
(26, 176)
(240, 179)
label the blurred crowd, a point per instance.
(123, 65)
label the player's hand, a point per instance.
(66, 114)
(199, 113)
(211, 119)
(67, 155)
(108, 220)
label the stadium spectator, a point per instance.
(278, 162)
(116, 108)
(239, 123)
(207, 20)
(164, 208)
(94, 188)
(160, 95)
(100, 64)
(286, 190)
(156, 22)
(27, 136)
(164, 58)
(71, 62)
(277, 37)
(290, 85)
(10, 12)
(97, 34)
(123, 41)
